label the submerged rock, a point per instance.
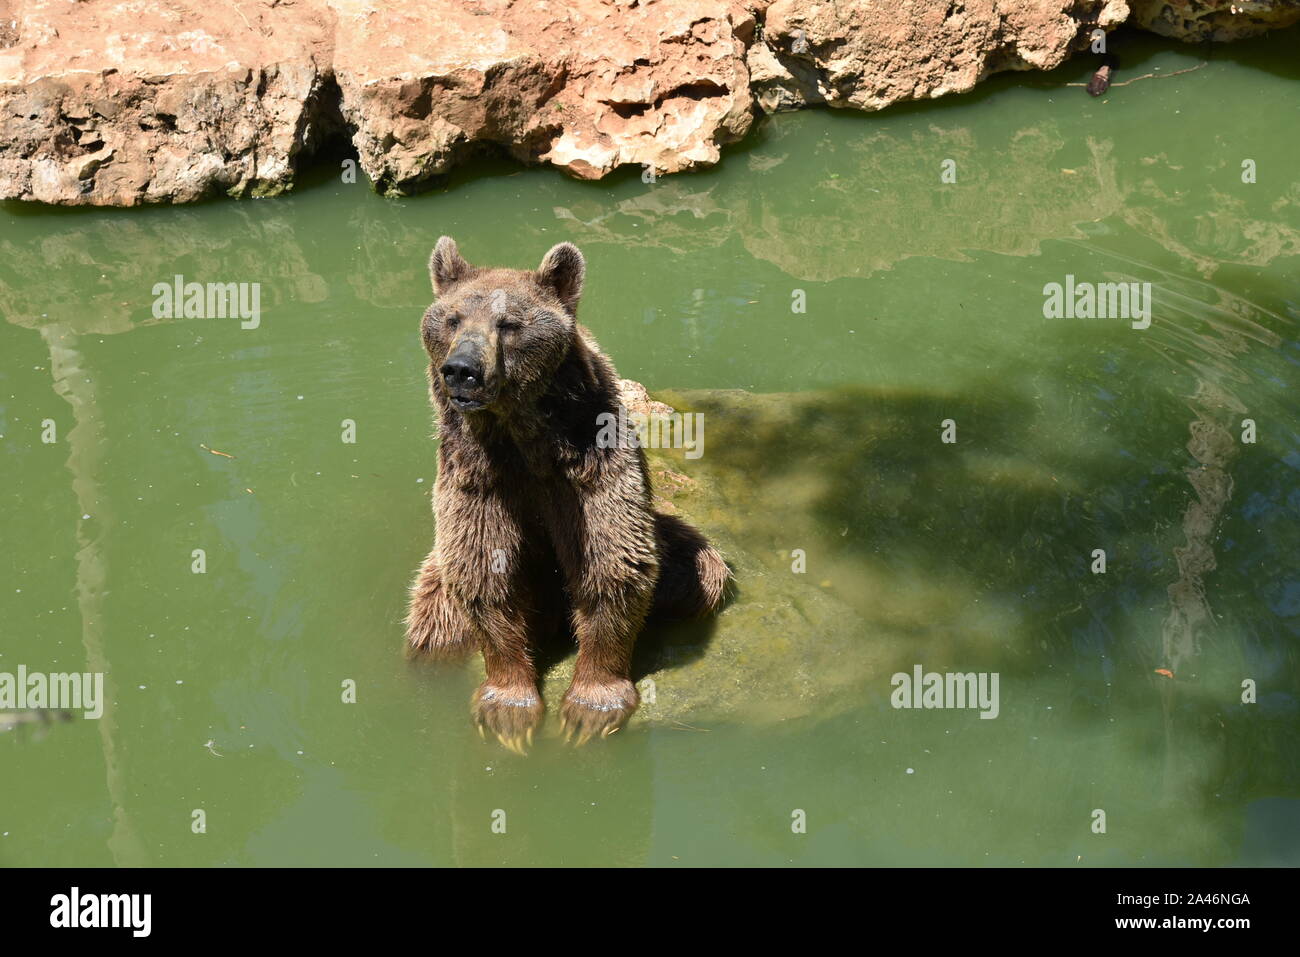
(785, 647)
(815, 627)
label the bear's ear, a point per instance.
(446, 266)
(562, 271)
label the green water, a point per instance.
(923, 302)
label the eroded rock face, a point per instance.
(869, 56)
(121, 102)
(586, 86)
(1196, 20)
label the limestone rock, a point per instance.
(587, 86)
(868, 56)
(118, 103)
(1197, 20)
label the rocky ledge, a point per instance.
(122, 102)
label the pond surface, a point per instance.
(923, 301)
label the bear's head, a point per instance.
(497, 336)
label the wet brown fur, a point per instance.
(536, 522)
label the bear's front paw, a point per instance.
(597, 708)
(511, 714)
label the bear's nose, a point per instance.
(461, 372)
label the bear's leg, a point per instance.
(434, 623)
(604, 539)
(601, 696)
(508, 703)
(486, 564)
(692, 575)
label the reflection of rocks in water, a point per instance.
(680, 216)
(1237, 229)
(1190, 616)
(376, 270)
(87, 444)
(87, 268)
(889, 204)
(873, 201)
(825, 206)
(848, 206)
(1210, 339)
(1189, 612)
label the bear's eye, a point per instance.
(453, 322)
(506, 325)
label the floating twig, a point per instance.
(1153, 76)
(689, 727)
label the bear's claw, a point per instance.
(590, 710)
(511, 714)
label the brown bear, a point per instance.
(541, 521)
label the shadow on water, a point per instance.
(1274, 54)
(1003, 523)
(662, 645)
